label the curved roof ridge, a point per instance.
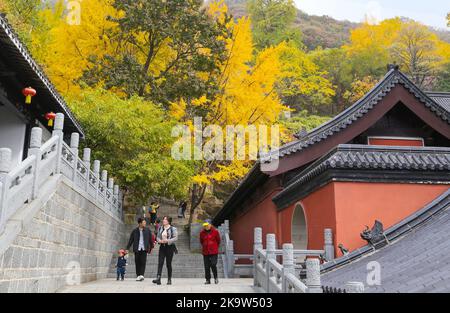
(37, 69)
(357, 110)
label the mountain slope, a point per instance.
(323, 31)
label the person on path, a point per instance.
(182, 209)
(121, 264)
(210, 241)
(141, 240)
(166, 238)
(154, 207)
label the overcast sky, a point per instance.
(429, 12)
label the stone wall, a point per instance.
(67, 240)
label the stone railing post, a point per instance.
(288, 263)
(96, 171)
(328, 244)
(110, 190)
(104, 180)
(74, 143)
(58, 131)
(313, 276)
(35, 149)
(230, 256)
(116, 198)
(257, 244)
(5, 167)
(270, 253)
(87, 163)
(354, 287)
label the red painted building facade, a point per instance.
(384, 158)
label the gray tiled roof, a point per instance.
(416, 259)
(358, 110)
(19, 54)
(441, 98)
(364, 157)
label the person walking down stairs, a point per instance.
(210, 241)
(141, 240)
(166, 238)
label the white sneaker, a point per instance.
(139, 278)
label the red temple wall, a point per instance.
(359, 204)
(345, 207)
(263, 214)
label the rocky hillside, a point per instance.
(318, 31)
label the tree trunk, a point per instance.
(197, 195)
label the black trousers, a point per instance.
(140, 259)
(165, 253)
(210, 262)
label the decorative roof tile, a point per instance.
(437, 104)
(371, 158)
(16, 50)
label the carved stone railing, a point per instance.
(230, 259)
(21, 184)
(274, 277)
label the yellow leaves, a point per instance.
(201, 179)
(359, 88)
(67, 51)
(178, 109)
(199, 102)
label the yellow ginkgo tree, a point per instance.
(247, 97)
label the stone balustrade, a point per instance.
(21, 185)
(271, 276)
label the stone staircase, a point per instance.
(185, 264)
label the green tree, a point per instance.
(273, 22)
(178, 30)
(443, 79)
(303, 121)
(339, 71)
(132, 138)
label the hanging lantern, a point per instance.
(50, 117)
(28, 93)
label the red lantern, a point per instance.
(28, 93)
(50, 117)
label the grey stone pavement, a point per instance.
(179, 285)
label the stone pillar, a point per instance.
(230, 254)
(354, 287)
(87, 163)
(58, 131)
(104, 179)
(35, 149)
(5, 161)
(110, 187)
(96, 171)
(116, 198)
(328, 244)
(288, 263)
(110, 184)
(270, 254)
(313, 276)
(5, 167)
(74, 143)
(257, 244)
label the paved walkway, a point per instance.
(180, 285)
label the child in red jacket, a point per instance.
(210, 241)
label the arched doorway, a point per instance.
(299, 232)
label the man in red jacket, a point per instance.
(210, 241)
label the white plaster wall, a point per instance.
(12, 133)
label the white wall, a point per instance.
(12, 132)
